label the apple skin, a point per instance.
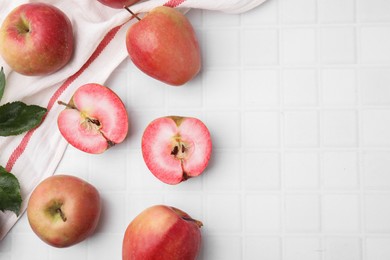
(162, 232)
(118, 4)
(76, 199)
(36, 39)
(94, 120)
(164, 46)
(176, 148)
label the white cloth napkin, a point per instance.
(100, 47)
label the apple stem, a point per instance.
(62, 215)
(66, 104)
(197, 222)
(132, 13)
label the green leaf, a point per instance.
(10, 198)
(2, 82)
(17, 118)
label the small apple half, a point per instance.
(94, 120)
(176, 148)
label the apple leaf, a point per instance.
(2, 82)
(17, 117)
(10, 198)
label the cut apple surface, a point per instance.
(94, 120)
(176, 148)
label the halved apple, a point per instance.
(176, 148)
(94, 120)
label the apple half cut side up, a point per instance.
(94, 120)
(176, 148)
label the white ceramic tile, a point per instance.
(221, 90)
(215, 18)
(374, 86)
(301, 170)
(262, 248)
(112, 217)
(340, 170)
(338, 128)
(298, 45)
(302, 213)
(375, 128)
(377, 248)
(261, 171)
(374, 42)
(260, 47)
(299, 248)
(218, 52)
(377, 213)
(376, 166)
(300, 11)
(338, 87)
(222, 247)
(342, 248)
(261, 129)
(223, 176)
(374, 10)
(338, 45)
(228, 120)
(217, 203)
(262, 213)
(260, 88)
(301, 128)
(300, 87)
(340, 213)
(334, 11)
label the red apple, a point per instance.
(36, 39)
(176, 148)
(94, 120)
(162, 232)
(118, 3)
(163, 45)
(63, 210)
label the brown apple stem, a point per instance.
(132, 13)
(66, 104)
(197, 222)
(62, 215)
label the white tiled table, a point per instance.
(296, 95)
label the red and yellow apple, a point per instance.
(118, 3)
(163, 45)
(94, 120)
(176, 148)
(36, 39)
(64, 210)
(162, 232)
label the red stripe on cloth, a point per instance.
(174, 3)
(24, 142)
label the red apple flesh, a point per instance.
(163, 45)
(162, 232)
(36, 39)
(118, 3)
(94, 120)
(176, 148)
(64, 210)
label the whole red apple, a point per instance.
(118, 3)
(64, 210)
(162, 232)
(163, 45)
(36, 39)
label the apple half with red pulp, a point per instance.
(176, 148)
(94, 120)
